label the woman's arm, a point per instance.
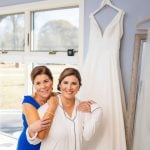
(93, 117)
(49, 114)
(33, 120)
(92, 121)
(35, 124)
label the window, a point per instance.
(12, 87)
(55, 29)
(28, 35)
(12, 79)
(12, 32)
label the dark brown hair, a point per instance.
(69, 72)
(38, 70)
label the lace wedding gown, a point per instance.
(101, 78)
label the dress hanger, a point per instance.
(103, 4)
(142, 22)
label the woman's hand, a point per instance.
(38, 126)
(85, 106)
(54, 93)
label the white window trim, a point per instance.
(35, 6)
(27, 56)
(81, 32)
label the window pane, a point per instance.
(11, 92)
(55, 29)
(12, 32)
(12, 78)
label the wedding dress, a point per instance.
(102, 82)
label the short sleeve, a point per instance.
(30, 100)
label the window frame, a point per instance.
(28, 56)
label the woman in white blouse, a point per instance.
(72, 124)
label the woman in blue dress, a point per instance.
(42, 81)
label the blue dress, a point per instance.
(23, 144)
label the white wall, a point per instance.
(135, 10)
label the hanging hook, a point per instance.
(106, 2)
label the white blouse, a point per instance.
(68, 133)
